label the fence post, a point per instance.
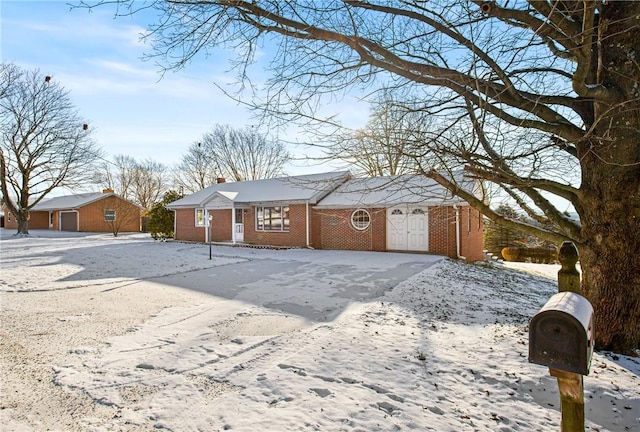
(568, 276)
(570, 384)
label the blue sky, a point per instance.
(130, 108)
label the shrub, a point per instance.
(161, 219)
(544, 255)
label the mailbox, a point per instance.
(561, 334)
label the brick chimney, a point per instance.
(221, 180)
(107, 191)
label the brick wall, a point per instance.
(9, 220)
(37, 220)
(221, 230)
(185, 226)
(442, 231)
(471, 233)
(336, 231)
(56, 221)
(91, 216)
(296, 236)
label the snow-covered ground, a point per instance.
(104, 334)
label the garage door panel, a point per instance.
(396, 229)
(69, 221)
(407, 229)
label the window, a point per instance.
(272, 218)
(200, 222)
(109, 215)
(360, 219)
(397, 212)
(417, 212)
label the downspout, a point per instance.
(307, 223)
(175, 224)
(457, 209)
(207, 226)
(233, 223)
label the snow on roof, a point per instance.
(305, 188)
(389, 191)
(69, 201)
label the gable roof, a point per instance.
(73, 202)
(296, 189)
(394, 190)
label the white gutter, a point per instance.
(457, 209)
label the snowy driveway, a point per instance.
(315, 285)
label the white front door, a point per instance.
(407, 229)
(239, 232)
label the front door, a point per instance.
(239, 227)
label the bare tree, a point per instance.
(388, 142)
(117, 175)
(528, 91)
(44, 143)
(120, 214)
(195, 171)
(142, 182)
(244, 154)
(150, 183)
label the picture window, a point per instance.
(272, 218)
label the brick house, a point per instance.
(335, 211)
(400, 213)
(271, 211)
(87, 212)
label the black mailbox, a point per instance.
(561, 334)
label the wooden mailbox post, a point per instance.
(561, 336)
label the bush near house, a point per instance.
(161, 219)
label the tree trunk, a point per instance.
(609, 206)
(611, 282)
(23, 223)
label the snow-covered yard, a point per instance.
(104, 334)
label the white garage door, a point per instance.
(407, 228)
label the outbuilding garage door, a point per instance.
(407, 229)
(69, 221)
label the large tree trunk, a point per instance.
(609, 205)
(23, 224)
(611, 274)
